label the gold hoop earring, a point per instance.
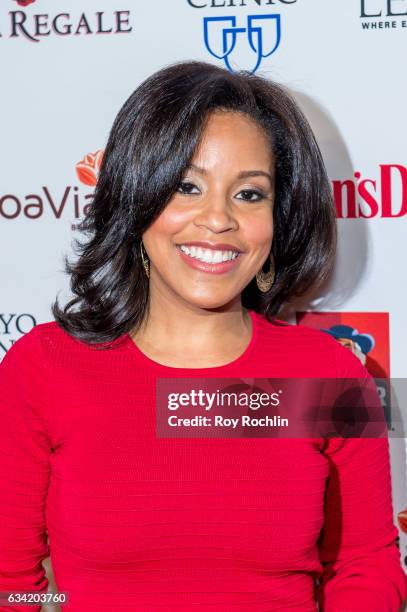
(265, 280)
(144, 260)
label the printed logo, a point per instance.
(201, 4)
(24, 2)
(262, 36)
(367, 335)
(12, 326)
(88, 169)
(383, 14)
(37, 26)
(367, 198)
(73, 200)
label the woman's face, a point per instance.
(225, 199)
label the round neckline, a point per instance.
(160, 366)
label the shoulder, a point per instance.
(278, 331)
(31, 349)
(316, 350)
(51, 337)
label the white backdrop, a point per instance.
(66, 70)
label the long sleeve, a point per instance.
(24, 470)
(362, 569)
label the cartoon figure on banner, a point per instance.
(371, 345)
(263, 35)
(359, 344)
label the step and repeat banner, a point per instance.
(67, 67)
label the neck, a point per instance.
(175, 332)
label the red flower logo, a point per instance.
(402, 520)
(24, 2)
(88, 168)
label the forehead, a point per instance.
(234, 138)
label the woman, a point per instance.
(211, 211)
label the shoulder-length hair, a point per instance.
(152, 141)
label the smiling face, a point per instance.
(225, 199)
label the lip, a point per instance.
(215, 268)
(216, 246)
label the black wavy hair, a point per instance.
(151, 142)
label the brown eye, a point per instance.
(185, 187)
(252, 195)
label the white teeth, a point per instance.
(208, 255)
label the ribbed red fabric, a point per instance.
(146, 524)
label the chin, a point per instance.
(207, 301)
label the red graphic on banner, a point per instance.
(88, 168)
(365, 333)
(24, 2)
(402, 520)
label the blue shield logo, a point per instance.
(263, 35)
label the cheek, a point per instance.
(171, 221)
(259, 231)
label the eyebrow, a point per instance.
(241, 175)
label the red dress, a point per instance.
(146, 524)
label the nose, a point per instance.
(216, 214)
